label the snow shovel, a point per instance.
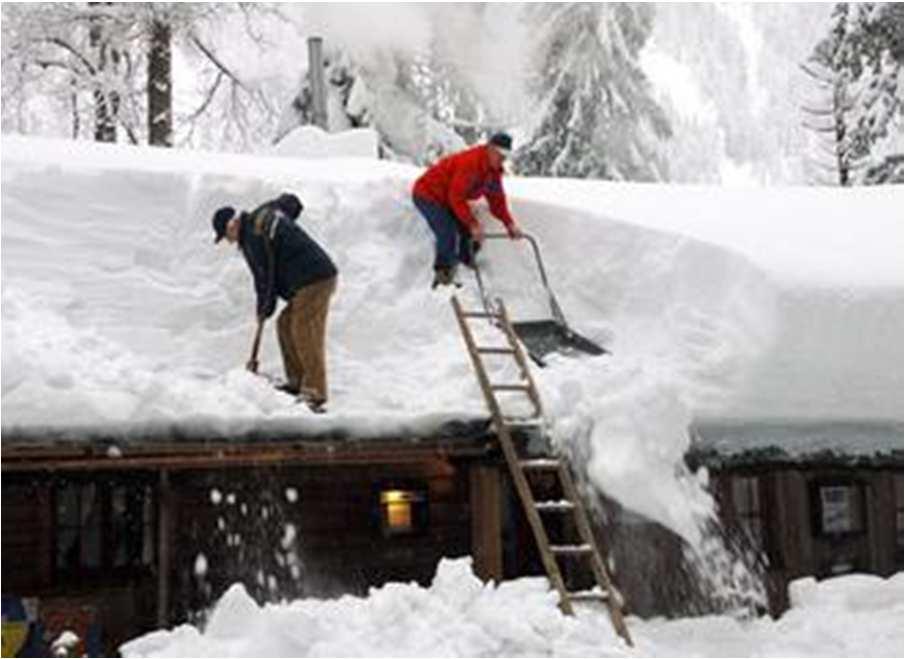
(542, 337)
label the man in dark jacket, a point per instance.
(286, 262)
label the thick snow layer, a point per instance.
(117, 309)
(313, 142)
(459, 616)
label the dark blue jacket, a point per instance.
(281, 256)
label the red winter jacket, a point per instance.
(461, 177)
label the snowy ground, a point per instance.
(744, 303)
(458, 615)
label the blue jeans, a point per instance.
(454, 244)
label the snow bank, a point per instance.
(458, 615)
(117, 309)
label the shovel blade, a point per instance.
(542, 337)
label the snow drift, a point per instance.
(746, 304)
(460, 616)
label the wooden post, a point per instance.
(164, 501)
(316, 81)
(486, 521)
(46, 561)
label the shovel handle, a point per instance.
(252, 363)
(554, 304)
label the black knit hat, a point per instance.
(502, 141)
(221, 218)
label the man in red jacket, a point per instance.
(442, 194)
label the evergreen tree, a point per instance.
(858, 67)
(598, 116)
(877, 74)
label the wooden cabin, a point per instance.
(114, 537)
(814, 498)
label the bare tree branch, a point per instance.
(216, 62)
(69, 48)
(207, 99)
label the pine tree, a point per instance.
(877, 74)
(599, 119)
(858, 67)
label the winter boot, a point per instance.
(443, 276)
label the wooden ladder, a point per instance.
(539, 513)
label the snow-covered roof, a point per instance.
(746, 304)
(838, 443)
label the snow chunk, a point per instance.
(200, 565)
(234, 615)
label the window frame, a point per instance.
(857, 506)
(108, 532)
(419, 511)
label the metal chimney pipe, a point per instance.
(316, 80)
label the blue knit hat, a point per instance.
(221, 218)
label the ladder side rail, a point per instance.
(614, 599)
(534, 519)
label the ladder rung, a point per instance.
(554, 506)
(523, 421)
(479, 314)
(495, 351)
(542, 464)
(588, 596)
(510, 387)
(571, 549)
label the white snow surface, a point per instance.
(459, 616)
(313, 142)
(118, 311)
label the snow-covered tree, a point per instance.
(108, 66)
(597, 116)
(78, 57)
(387, 93)
(858, 68)
(877, 137)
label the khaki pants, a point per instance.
(301, 328)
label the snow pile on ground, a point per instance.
(117, 309)
(458, 615)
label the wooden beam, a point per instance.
(486, 521)
(164, 503)
(226, 454)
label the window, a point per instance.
(403, 510)
(132, 525)
(78, 523)
(102, 526)
(839, 507)
(747, 501)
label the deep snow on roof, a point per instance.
(740, 304)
